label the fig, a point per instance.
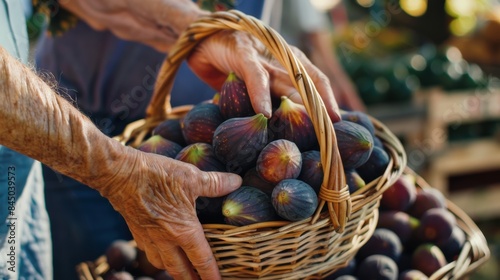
(400, 223)
(452, 247)
(428, 258)
(355, 143)
(171, 130)
(382, 242)
(202, 156)
(120, 254)
(279, 160)
(354, 180)
(234, 101)
(291, 122)
(247, 205)
(252, 178)
(237, 142)
(294, 200)
(375, 166)
(427, 199)
(119, 275)
(412, 274)
(360, 118)
(199, 123)
(436, 225)
(312, 169)
(400, 195)
(161, 146)
(378, 267)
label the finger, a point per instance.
(256, 79)
(201, 256)
(216, 184)
(169, 256)
(322, 85)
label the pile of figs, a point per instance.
(127, 262)
(416, 235)
(278, 157)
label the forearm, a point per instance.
(42, 125)
(157, 23)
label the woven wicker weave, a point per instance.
(342, 223)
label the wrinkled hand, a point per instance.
(239, 52)
(156, 196)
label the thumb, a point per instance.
(220, 183)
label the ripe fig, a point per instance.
(252, 178)
(199, 123)
(436, 225)
(247, 205)
(400, 223)
(120, 254)
(428, 258)
(312, 169)
(294, 200)
(360, 118)
(234, 101)
(400, 195)
(412, 274)
(427, 199)
(452, 246)
(279, 160)
(202, 156)
(378, 267)
(291, 122)
(171, 130)
(237, 142)
(355, 143)
(159, 145)
(354, 180)
(382, 242)
(375, 166)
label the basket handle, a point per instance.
(334, 191)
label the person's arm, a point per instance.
(159, 23)
(147, 189)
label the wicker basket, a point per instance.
(475, 251)
(342, 223)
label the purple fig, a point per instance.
(171, 130)
(294, 200)
(199, 124)
(355, 143)
(247, 205)
(312, 169)
(354, 180)
(400, 195)
(234, 101)
(237, 142)
(291, 122)
(279, 160)
(360, 118)
(159, 145)
(428, 258)
(252, 178)
(202, 156)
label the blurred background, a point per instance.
(430, 71)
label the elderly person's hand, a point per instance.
(156, 195)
